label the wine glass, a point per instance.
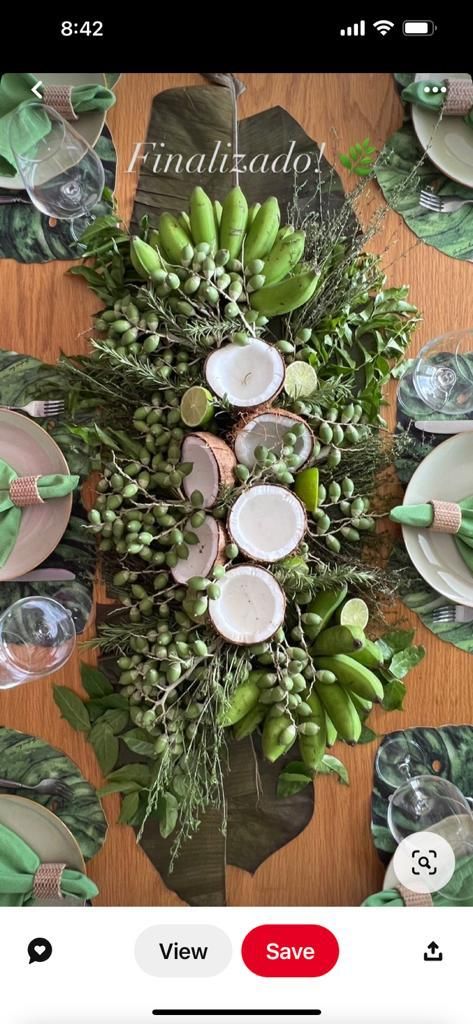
(37, 637)
(423, 802)
(441, 377)
(63, 176)
(400, 759)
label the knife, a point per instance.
(444, 426)
(46, 575)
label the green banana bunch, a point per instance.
(173, 237)
(339, 640)
(312, 744)
(285, 254)
(324, 605)
(279, 733)
(263, 231)
(146, 260)
(276, 299)
(233, 222)
(353, 677)
(247, 725)
(202, 219)
(341, 710)
(243, 700)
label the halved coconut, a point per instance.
(251, 605)
(213, 464)
(204, 555)
(268, 429)
(267, 522)
(246, 375)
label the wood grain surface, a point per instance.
(42, 311)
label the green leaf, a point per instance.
(114, 700)
(99, 226)
(94, 681)
(397, 640)
(72, 708)
(167, 814)
(403, 661)
(394, 693)
(353, 152)
(129, 808)
(119, 787)
(105, 745)
(330, 765)
(367, 735)
(362, 171)
(116, 719)
(139, 742)
(293, 778)
(345, 161)
(105, 438)
(139, 773)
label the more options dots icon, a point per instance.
(424, 862)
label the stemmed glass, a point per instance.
(423, 802)
(37, 637)
(441, 377)
(400, 759)
(63, 176)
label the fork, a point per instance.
(453, 613)
(38, 410)
(47, 787)
(439, 204)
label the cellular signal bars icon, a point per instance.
(358, 29)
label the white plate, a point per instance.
(447, 475)
(47, 835)
(449, 144)
(89, 125)
(30, 450)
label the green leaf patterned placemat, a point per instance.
(451, 234)
(21, 379)
(28, 759)
(444, 753)
(26, 234)
(415, 593)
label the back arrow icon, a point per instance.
(35, 90)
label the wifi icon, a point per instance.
(383, 26)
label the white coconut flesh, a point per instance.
(212, 465)
(268, 429)
(251, 605)
(203, 555)
(267, 522)
(246, 375)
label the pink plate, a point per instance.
(31, 451)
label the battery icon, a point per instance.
(419, 28)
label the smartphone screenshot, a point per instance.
(236, 520)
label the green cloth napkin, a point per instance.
(421, 516)
(15, 92)
(458, 892)
(433, 101)
(54, 486)
(18, 866)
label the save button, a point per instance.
(290, 950)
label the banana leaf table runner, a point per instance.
(445, 753)
(258, 821)
(21, 379)
(28, 759)
(416, 593)
(451, 233)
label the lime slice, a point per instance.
(196, 407)
(300, 380)
(307, 487)
(355, 613)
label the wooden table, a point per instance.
(41, 311)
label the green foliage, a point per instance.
(360, 158)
